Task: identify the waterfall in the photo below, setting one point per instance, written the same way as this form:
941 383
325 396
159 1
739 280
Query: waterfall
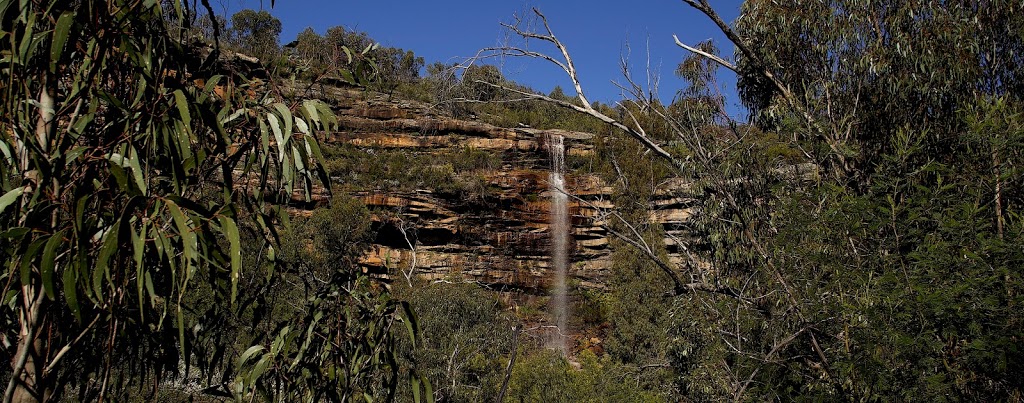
559 240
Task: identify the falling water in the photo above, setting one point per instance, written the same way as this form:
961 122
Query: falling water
559 239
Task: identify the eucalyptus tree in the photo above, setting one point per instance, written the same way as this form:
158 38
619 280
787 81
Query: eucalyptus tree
721 274
888 267
868 68
129 163
256 33
480 82
311 50
339 38
921 100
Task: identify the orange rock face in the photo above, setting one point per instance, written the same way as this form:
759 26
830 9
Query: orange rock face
500 239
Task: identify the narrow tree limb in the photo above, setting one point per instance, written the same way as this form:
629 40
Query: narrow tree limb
412 251
713 57
762 69
587 109
679 287
704 7
517 52
737 396
64 350
568 66
821 354
511 364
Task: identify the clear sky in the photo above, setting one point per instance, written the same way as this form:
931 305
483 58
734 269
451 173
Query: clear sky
595 32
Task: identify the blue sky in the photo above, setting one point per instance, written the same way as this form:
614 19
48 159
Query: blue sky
595 32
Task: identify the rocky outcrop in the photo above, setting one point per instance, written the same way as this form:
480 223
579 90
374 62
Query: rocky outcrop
501 237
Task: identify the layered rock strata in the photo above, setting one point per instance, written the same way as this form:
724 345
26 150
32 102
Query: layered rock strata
500 238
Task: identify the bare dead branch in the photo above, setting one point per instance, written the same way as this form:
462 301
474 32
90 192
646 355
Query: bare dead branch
704 7
713 57
519 52
412 251
589 110
511 364
567 65
679 286
758 65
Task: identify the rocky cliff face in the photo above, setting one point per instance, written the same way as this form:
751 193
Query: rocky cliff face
499 237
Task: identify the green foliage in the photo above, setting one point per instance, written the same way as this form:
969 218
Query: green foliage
468 159
907 264
480 82
355 57
589 308
331 239
208 26
545 376
637 301
887 268
255 33
437 86
310 47
397 66
474 94
926 287
896 279
340 344
869 68
466 339
535 114
458 175
952 288
124 227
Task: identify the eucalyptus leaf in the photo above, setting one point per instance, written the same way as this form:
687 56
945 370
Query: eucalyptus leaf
10 197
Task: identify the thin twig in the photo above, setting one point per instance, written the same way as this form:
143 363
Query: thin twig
64 350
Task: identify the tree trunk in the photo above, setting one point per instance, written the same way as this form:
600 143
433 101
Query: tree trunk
32 387
999 192
27 383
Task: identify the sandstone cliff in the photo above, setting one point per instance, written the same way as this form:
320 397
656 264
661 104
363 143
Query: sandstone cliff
499 238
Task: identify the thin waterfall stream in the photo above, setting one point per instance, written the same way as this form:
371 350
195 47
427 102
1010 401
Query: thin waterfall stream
559 241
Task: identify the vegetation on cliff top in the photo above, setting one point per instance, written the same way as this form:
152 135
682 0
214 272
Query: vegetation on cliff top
859 239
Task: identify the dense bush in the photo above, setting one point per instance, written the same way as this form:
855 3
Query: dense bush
455 173
467 337
545 376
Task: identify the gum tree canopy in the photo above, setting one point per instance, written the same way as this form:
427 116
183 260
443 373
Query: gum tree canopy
891 267
119 151
869 68
256 33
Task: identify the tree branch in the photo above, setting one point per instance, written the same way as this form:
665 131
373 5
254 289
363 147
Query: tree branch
511 364
762 69
679 287
587 109
568 66
64 350
713 57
